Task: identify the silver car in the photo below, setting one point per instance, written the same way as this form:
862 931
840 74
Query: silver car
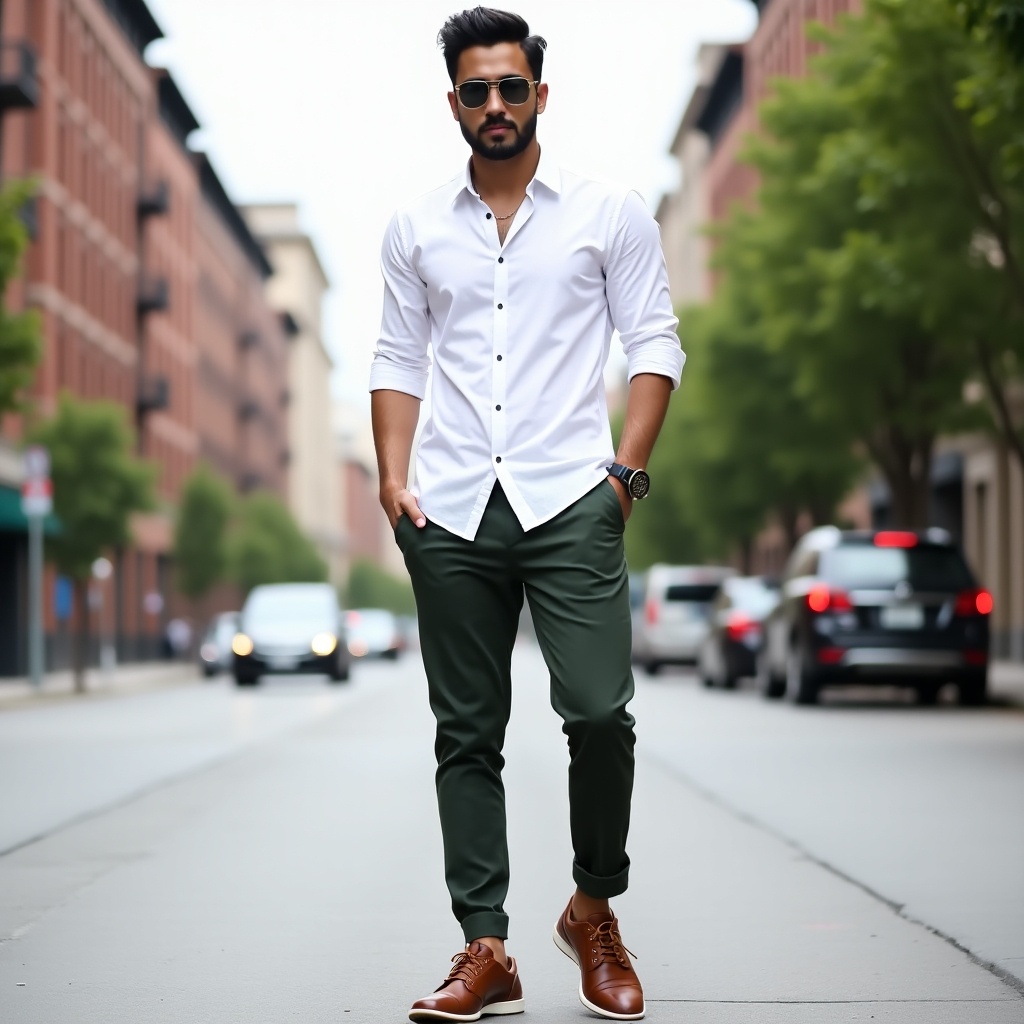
674 623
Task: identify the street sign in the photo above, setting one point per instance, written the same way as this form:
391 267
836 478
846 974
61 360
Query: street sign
37 462
37 497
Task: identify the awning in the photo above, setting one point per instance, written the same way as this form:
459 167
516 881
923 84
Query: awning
12 519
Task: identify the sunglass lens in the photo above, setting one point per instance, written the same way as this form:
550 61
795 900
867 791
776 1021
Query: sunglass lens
473 94
514 90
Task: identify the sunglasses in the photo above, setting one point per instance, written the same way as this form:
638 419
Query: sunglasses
513 91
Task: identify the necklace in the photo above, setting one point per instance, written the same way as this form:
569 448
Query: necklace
498 216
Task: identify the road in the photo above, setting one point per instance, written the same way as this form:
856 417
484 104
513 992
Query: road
204 854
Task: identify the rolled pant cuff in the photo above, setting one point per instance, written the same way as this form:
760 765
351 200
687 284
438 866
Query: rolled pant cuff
485 922
601 887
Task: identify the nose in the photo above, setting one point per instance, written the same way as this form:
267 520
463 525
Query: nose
495 104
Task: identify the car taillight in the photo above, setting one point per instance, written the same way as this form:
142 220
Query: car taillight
831 655
821 598
895 539
738 626
651 612
976 601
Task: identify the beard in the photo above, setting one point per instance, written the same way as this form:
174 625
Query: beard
501 150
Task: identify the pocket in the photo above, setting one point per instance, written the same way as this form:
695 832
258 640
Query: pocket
620 518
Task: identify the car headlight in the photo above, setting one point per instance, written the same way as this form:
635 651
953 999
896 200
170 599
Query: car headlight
208 652
241 645
324 644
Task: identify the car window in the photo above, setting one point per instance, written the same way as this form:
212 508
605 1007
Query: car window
700 593
863 567
290 605
752 597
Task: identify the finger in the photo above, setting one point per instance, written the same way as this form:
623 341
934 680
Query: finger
412 510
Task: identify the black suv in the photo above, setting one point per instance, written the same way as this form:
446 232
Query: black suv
884 606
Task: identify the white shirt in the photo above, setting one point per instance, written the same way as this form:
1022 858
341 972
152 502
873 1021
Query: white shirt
520 335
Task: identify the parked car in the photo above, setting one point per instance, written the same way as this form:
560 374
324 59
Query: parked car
215 654
291 627
374 633
877 606
677 602
729 651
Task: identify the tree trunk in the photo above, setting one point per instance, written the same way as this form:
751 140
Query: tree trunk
907 467
788 520
746 555
80 644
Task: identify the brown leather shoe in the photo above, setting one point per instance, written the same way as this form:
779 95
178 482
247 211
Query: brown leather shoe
477 986
608 984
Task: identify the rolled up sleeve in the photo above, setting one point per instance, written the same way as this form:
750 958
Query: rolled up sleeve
636 284
400 361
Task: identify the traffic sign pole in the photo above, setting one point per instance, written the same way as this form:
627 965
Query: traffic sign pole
35 600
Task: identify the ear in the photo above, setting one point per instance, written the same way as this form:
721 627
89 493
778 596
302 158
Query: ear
453 102
542 97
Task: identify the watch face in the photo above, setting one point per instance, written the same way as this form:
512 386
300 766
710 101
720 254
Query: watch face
639 485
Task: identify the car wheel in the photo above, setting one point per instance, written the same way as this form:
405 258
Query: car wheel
772 686
340 674
974 689
802 686
247 679
728 679
928 693
652 668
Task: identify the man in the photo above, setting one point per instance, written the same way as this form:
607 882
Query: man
515 274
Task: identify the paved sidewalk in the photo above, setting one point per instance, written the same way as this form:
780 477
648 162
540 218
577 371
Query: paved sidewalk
124 679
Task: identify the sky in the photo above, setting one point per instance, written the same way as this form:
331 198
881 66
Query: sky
341 107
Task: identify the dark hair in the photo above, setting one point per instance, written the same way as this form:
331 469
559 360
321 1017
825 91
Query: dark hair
485 26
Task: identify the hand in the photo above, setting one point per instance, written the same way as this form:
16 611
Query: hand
400 501
623 495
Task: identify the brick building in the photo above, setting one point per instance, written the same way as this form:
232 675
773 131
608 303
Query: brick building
149 285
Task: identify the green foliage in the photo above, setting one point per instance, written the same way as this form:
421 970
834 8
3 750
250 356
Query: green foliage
265 545
20 333
369 586
863 260
1001 20
200 536
97 482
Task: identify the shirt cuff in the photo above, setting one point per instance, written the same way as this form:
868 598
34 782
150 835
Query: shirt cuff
388 377
659 356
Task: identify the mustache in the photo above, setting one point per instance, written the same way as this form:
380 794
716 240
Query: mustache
497 122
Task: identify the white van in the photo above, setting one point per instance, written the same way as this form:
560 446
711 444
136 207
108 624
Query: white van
674 621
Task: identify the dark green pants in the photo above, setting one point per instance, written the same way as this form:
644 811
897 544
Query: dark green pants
469 594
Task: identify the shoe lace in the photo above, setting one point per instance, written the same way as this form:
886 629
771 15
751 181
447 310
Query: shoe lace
608 945
467 966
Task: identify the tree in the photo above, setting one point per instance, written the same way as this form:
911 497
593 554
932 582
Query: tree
1003 20
200 537
859 266
265 545
20 333
370 586
97 485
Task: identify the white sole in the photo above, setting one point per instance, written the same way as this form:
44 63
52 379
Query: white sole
607 1014
491 1009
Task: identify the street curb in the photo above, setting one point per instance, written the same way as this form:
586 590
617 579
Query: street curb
126 680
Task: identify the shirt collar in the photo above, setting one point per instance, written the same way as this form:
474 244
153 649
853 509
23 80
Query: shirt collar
548 174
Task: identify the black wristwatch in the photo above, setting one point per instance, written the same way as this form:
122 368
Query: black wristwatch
636 481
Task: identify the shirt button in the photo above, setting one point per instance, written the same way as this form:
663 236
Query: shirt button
501 259
488 216
498 407
498 459
499 359
500 306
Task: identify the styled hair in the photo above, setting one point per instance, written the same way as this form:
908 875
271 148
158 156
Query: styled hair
486 26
